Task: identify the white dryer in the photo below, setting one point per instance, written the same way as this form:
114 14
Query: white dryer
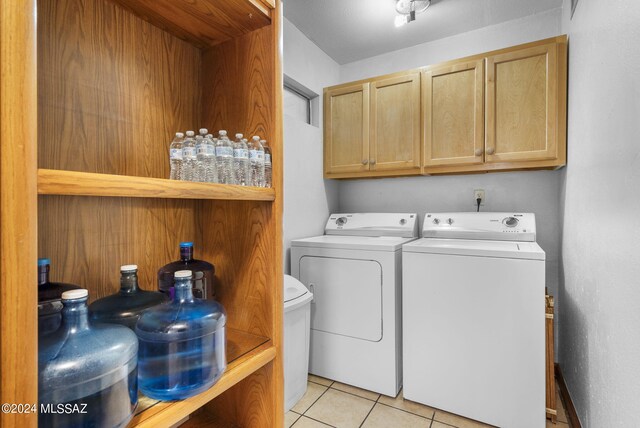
354 273
474 318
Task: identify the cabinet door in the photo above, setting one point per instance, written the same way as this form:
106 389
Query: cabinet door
454 114
522 105
395 123
346 134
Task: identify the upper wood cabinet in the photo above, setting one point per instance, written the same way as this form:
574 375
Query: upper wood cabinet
346 129
522 105
453 105
501 110
395 123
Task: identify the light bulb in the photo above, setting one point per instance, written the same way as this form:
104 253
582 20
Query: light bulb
400 20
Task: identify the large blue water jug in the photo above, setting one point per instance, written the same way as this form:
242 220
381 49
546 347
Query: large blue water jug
182 344
126 306
87 374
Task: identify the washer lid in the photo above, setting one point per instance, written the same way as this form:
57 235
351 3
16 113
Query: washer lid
371 243
467 247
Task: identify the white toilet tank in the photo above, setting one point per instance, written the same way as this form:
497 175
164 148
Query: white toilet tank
297 324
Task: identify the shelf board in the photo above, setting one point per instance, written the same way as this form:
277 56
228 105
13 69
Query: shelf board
59 182
203 23
246 353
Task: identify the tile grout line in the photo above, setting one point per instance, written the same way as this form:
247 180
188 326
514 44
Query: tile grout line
356 395
367 417
297 419
315 401
407 411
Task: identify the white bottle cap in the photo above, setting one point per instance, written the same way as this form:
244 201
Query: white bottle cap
183 274
199 137
255 138
203 131
263 141
190 133
179 135
128 268
209 135
75 294
222 132
239 135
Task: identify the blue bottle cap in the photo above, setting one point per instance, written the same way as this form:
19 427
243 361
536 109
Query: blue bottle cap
186 244
44 262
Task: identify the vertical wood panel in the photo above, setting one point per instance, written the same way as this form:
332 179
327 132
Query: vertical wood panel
522 105
346 129
395 140
243 93
454 114
18 199
112 89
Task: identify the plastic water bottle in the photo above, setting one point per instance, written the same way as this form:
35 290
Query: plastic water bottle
241 161
175 156
188 158
256 160
211 165
201 152
224 157
267 164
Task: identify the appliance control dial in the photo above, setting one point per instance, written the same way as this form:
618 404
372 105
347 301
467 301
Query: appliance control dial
341 221
510 221
449 220
436 221
403 221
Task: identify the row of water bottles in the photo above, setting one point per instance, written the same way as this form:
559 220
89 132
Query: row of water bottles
204 158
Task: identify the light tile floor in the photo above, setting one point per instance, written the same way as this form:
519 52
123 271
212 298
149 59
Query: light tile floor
334 404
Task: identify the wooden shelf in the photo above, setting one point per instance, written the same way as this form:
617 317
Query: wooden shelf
58 182
246 353
203 23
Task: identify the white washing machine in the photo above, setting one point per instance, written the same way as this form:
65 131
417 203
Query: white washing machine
354 272
474 318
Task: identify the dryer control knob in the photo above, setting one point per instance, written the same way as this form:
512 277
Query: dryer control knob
510 221
436 221
449 220
341 221
403 221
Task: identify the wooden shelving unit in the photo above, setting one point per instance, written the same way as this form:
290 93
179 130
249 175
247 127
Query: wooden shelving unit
54 182
108 82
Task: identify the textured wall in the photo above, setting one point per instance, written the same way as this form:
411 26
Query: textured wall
308 198
600 297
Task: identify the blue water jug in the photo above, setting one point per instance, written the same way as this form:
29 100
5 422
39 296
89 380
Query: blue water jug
87 374
126 306
182 344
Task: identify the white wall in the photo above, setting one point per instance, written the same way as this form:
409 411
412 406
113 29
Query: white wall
308 198
536 192
600 297
518 31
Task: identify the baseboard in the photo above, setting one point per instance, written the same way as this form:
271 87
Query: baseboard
572 415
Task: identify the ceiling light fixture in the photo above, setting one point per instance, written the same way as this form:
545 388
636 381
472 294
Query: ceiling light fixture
407 10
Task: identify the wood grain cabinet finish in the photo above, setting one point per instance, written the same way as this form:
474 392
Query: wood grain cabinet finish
522 105
395 124
503 110
346 132
453 105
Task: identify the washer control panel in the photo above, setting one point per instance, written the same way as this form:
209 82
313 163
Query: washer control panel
373 224
485 226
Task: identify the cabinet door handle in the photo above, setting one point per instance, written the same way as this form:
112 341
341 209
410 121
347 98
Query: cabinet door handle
491 151
372 161
364 161
479 152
